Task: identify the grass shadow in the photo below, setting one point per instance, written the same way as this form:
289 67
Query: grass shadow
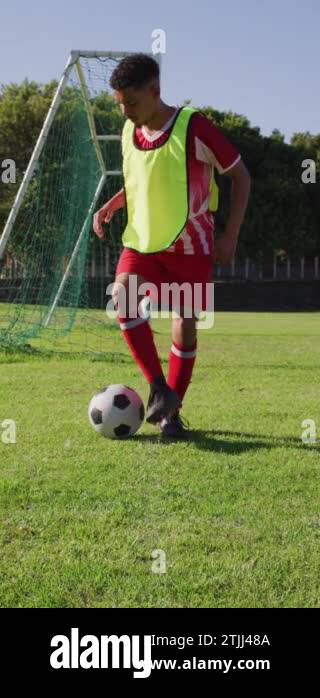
211 441
268 439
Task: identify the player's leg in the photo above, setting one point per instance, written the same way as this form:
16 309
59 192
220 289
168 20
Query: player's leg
195 273
139 337
181 362
182 354
135 327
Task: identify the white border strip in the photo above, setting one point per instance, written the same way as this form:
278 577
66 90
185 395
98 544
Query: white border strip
183 354
132 323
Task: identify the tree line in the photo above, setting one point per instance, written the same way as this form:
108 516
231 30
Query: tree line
284 212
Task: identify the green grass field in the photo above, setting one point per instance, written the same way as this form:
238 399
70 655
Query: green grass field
235 509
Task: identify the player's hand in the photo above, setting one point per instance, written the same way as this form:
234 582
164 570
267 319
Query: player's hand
104 215
225 248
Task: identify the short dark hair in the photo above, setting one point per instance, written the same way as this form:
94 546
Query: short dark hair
134 71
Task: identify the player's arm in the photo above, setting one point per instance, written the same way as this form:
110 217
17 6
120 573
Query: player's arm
215 149
225 246
106 212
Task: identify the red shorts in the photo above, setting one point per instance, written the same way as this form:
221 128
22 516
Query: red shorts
163 268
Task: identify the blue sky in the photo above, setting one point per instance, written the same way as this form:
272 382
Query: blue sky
260 59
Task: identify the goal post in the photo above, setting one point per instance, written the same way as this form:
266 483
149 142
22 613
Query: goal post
36 153
48 237
75 251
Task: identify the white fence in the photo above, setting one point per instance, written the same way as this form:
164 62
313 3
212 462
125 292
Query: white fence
278 269
303 268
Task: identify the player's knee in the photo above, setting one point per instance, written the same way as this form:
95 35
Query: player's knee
185 323
124 296
118 294
184 331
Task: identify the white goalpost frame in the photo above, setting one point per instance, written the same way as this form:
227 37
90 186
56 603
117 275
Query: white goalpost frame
72 61
86 99
105 172
37 152
110 138
75 250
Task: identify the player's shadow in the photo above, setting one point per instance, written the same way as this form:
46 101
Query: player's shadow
218 441
240 442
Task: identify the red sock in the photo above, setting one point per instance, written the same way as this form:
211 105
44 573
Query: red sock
138 335
181 362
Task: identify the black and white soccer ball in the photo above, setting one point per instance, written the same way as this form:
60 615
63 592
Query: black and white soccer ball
116 411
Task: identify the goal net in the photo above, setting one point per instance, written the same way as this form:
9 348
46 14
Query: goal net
54 270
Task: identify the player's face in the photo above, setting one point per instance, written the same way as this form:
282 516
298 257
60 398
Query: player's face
138 105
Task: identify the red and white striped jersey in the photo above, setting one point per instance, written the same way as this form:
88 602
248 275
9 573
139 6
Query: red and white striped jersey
207 147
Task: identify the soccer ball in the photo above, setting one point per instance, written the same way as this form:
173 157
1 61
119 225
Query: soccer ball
116 411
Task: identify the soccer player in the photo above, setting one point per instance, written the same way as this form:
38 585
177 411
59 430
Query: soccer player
169 156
